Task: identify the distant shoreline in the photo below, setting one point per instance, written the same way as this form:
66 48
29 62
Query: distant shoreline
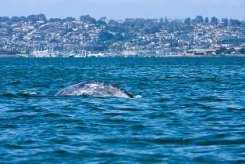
124 56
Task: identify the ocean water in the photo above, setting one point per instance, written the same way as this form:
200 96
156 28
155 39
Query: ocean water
187 110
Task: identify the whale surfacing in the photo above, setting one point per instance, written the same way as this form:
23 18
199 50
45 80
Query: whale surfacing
94 89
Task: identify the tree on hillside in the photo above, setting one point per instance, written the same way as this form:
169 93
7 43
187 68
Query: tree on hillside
206 20
225 21
35 18
69 19
198 20
235 22
187 21
87 19
214 21
4 19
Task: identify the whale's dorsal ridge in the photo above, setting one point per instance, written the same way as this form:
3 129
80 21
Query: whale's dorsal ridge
95 89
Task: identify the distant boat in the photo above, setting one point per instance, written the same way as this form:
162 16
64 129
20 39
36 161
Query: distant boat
44 53
96 55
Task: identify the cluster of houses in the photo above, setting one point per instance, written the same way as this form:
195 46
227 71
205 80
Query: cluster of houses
36 36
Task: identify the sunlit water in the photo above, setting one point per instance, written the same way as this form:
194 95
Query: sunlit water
186 110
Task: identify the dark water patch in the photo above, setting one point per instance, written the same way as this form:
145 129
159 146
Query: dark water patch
166 141
118 120
52 115
207 98
8 126
28 117
14 83
13 146
221 142
236 108
61 153
7 94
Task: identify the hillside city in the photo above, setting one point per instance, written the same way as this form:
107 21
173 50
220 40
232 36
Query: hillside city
37 36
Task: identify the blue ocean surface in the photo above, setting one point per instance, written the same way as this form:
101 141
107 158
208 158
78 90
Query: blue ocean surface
187 110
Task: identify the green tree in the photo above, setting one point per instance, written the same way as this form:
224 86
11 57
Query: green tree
35 18
15 19
187 21
225 21
214 21
161 22
87 19
199 19
4 19
206 20
166 22
235 22
69 19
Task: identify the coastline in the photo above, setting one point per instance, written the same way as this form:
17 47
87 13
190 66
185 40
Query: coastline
118 55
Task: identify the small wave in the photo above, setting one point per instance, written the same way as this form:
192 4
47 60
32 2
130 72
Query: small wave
138 96
27 94
20 94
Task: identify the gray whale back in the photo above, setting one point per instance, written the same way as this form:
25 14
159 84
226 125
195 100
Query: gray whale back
94 89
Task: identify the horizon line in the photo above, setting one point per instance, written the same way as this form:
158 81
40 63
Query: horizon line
118 19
